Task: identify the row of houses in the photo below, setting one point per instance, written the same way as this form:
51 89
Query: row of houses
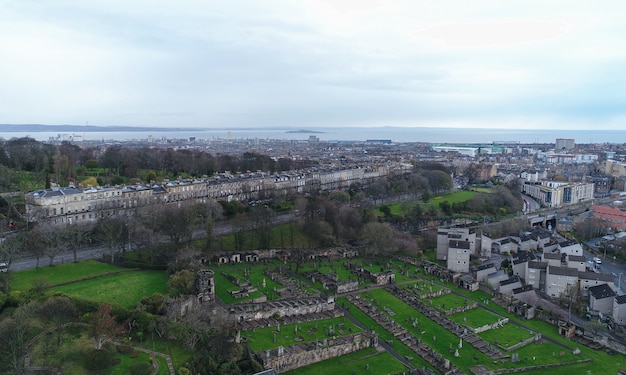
557 269
70 205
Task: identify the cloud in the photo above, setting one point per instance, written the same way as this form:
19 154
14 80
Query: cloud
319 63
494 33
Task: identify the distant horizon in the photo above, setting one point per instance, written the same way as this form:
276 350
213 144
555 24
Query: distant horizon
17 127
433 135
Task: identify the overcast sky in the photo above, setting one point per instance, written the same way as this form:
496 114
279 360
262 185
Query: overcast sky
302 64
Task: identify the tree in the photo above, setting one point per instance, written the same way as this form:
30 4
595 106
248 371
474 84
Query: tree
378 239
10 248
14 335
154 304
182 282
210 212
103 325
74 236
261 217
50 235
58 310
35 244
112 231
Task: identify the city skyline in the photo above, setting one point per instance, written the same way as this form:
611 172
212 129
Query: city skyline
308 64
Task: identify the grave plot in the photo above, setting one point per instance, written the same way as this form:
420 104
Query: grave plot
298 333
477 319
245 284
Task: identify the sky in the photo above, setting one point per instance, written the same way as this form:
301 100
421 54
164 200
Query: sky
305 64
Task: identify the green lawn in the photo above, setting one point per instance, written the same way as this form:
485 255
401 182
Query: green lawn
507 335
434 335
368 322
455 197
445 301
124 289
256 278
474 318
355 363
23 280
263 338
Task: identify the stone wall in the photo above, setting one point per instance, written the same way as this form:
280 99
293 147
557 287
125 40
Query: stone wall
246 312
495 325
293 357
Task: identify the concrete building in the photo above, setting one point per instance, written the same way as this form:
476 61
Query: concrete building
601 298
444 235
483 271
560 280
591 279
536 275
564 144
557 194
570 248
459 253
507 286
577 261
619 310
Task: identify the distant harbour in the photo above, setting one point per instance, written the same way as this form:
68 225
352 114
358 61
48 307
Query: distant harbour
325 134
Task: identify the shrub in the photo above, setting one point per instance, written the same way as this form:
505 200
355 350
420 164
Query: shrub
96 360
124 349
141 368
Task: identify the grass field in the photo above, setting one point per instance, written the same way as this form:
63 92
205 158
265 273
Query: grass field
404 207
355 363
446 301
112 288
368 322
63 273
69 357
506 335
256 278
474 318
434 335
263 338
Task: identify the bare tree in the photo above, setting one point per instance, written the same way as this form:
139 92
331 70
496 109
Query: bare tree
74 236
35 244
51 237
112 231
14 335
58 310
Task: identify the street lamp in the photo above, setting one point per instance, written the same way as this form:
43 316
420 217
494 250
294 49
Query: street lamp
619 282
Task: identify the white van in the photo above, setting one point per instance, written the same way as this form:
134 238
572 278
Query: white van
597 260
4 267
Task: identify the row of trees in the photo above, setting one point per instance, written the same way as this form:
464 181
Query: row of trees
68 162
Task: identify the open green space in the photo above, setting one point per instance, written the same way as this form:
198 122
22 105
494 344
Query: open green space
368 322
446 301
62 273
263 338
474 318
75 349
403 207
429 332
256 277
377 362
507 335
123 289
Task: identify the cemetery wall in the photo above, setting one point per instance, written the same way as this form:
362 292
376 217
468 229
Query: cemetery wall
293 357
